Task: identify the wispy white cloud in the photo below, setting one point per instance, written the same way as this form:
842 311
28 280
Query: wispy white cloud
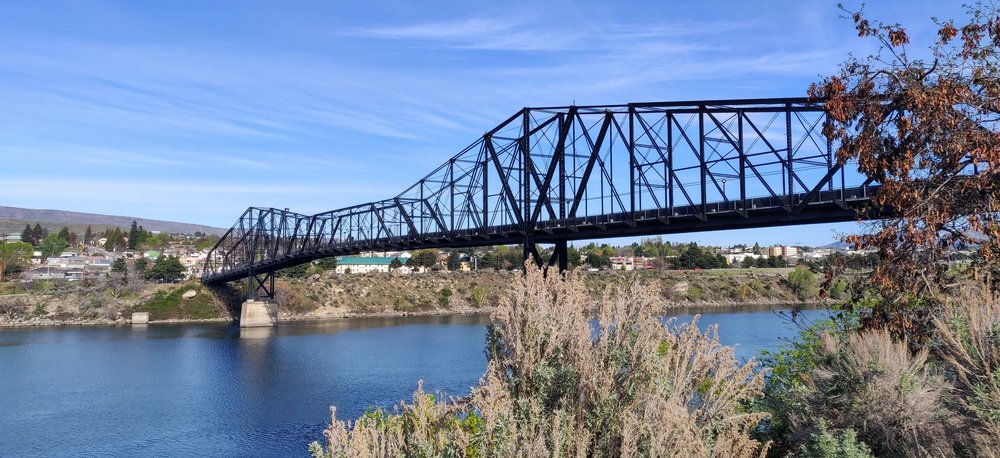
254 113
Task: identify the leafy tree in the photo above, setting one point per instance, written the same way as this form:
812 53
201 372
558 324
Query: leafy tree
803 283
296 271
395 264
327 263
599 260
115 240
14 257
53 245
927 131
573 258
206 242
166 269
424 258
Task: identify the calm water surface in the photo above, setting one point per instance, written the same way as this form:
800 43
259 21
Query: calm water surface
197 390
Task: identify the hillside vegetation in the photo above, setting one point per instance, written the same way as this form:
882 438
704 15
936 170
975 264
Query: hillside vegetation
329 295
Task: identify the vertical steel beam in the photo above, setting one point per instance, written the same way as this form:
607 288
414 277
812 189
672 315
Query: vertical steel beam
788 138
562 167
829 148
561 251
451 187
743 162
670 161
526 169
486 194
701 157
631 162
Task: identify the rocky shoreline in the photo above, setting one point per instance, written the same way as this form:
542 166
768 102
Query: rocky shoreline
330 296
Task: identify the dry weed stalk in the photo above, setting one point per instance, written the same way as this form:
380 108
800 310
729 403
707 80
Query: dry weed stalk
559 384
968 340
874 385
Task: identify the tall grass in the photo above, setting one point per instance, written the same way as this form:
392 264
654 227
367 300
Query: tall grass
968 343
559 385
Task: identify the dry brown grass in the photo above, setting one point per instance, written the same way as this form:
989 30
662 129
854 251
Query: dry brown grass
556 386
968 340
874 385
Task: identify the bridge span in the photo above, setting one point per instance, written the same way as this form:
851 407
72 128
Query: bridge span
551 175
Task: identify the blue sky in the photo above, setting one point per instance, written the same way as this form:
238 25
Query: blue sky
193 111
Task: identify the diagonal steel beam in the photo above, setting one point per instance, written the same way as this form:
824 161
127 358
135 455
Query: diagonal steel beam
594 155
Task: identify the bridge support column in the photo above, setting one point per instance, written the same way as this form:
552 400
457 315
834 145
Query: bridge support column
559 256
260 309
256 313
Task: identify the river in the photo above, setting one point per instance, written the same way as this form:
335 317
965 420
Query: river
197 390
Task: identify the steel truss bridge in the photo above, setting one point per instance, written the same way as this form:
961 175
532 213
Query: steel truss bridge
555 174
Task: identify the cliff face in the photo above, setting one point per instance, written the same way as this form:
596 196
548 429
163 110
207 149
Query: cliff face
330 295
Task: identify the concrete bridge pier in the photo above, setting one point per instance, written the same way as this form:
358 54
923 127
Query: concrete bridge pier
257 313
260 308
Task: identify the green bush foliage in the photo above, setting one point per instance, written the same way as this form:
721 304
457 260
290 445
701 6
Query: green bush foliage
803 283
823 444
166 305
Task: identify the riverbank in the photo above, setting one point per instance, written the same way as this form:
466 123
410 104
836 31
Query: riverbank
377 295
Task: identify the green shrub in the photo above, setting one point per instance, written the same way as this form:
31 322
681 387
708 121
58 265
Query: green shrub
695 293
822 444
838 290
171 305
802 282
444 297
478 296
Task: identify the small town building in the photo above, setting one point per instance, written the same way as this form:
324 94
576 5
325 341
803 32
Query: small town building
737 258
44 273
782 250
362 264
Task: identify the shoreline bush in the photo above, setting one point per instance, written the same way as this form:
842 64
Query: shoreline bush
561 384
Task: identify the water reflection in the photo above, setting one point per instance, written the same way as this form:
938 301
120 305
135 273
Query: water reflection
257 333
218 390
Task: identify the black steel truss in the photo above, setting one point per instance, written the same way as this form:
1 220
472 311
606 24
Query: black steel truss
554 174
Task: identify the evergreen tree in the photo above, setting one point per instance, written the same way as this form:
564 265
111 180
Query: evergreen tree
88 236
140 266
166 269
119 266
453 260
134 235
37 234
28 235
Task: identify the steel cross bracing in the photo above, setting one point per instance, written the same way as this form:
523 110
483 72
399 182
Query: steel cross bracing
554 174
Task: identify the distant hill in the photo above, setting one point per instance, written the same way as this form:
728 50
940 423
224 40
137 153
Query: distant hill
13 219
838 245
